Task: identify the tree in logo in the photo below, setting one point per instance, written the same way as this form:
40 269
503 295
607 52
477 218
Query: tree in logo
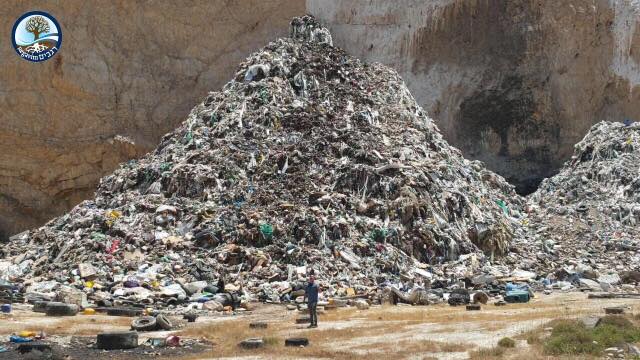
37 25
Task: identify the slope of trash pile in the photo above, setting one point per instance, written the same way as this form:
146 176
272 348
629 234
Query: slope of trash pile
307 159
585 221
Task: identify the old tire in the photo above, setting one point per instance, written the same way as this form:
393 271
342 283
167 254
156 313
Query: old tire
473 307
258 325
303 320
252 343
124 312
145 323
117 340
61 309
163 322
614 310
40 306
296 342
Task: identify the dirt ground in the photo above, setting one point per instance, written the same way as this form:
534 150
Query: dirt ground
398 332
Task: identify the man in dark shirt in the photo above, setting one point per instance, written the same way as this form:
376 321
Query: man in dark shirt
311 295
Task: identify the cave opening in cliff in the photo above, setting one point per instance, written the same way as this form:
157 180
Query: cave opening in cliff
500 126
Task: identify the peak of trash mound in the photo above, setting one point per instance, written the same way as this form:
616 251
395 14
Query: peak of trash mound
601 178
309 159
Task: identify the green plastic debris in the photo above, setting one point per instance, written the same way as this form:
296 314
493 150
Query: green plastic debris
165 166
214 119
188 137
267 231
503 206
378 234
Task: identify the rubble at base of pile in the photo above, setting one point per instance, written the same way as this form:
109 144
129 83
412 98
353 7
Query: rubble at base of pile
307 159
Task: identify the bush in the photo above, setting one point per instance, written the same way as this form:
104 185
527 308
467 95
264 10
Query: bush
507 342
571 337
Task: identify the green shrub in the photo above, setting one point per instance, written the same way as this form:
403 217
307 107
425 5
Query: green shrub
507 342
570 337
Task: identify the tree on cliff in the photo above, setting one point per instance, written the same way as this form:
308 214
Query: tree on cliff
37 25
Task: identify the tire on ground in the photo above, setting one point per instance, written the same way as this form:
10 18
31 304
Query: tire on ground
296 342
117 340
163 322
145 323
252 343
61 309
258 325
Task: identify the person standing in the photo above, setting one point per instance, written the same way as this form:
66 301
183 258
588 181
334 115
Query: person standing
311 296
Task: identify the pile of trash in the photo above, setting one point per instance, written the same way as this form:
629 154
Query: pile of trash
584 223
308 159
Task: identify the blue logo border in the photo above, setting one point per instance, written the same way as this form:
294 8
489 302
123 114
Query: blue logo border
37 12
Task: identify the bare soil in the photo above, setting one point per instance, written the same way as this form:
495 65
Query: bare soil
401 332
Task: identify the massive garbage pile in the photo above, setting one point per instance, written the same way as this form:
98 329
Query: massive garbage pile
307 160
312 161
583 223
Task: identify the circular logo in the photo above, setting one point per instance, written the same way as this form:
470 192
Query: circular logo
36 36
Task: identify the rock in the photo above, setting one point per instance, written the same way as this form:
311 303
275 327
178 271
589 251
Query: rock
590 322
590 284
611 279
361 304
633 350
213 305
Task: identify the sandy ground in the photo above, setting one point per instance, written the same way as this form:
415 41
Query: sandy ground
407 332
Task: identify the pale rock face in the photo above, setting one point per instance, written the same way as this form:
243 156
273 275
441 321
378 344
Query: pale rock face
126 73
512 83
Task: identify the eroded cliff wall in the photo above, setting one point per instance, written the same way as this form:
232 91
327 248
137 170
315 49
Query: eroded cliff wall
127 72
515 83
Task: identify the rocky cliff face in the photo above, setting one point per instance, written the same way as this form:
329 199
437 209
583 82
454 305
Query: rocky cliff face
127 73
513 83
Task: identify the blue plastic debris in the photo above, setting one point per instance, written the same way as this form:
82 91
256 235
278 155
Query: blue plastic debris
19 339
